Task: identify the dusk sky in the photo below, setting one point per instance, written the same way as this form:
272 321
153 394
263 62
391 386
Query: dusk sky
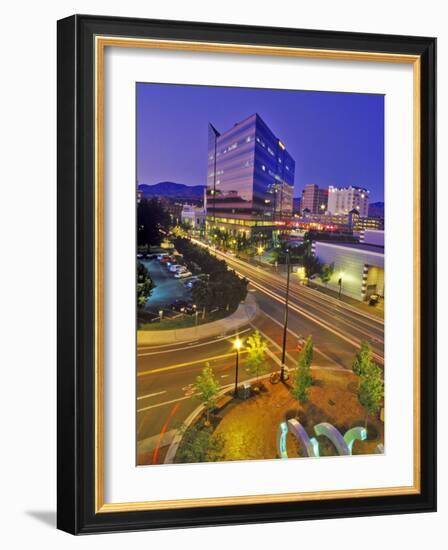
335 138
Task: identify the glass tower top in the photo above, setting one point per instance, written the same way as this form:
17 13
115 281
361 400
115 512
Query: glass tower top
250 172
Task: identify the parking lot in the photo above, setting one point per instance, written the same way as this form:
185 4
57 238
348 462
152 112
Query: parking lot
167 289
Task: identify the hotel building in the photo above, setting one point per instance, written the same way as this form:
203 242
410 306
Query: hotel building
250 179
344 200
314 199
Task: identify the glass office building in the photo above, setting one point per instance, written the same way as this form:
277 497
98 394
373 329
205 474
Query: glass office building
250 174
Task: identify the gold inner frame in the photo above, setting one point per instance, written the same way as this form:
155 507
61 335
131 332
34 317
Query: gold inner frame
101 42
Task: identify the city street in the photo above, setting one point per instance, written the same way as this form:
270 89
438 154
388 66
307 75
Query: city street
165 373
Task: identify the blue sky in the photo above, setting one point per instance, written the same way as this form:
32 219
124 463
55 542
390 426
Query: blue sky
334 138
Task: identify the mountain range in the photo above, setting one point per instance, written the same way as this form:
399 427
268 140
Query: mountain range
172 190
376 209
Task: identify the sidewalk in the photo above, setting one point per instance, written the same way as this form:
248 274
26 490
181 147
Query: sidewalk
244 314
280 271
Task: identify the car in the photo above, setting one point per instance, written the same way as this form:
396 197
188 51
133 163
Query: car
140 256
162 255
190 309
182 274
177 267
191 282
180 305
167 259
301 341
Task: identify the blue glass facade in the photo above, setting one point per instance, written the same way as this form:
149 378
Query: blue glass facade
250 173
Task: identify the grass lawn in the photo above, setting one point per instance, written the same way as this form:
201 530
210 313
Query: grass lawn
249 429
184 321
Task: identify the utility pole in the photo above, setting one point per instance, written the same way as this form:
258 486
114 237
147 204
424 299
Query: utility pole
285 320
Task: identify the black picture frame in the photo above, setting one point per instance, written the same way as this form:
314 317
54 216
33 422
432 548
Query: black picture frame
76 300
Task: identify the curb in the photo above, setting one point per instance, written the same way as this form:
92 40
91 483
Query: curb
172 450
244 314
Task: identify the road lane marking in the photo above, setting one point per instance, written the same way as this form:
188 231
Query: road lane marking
162 431
312 293
192 345
179 365
151 395
327 357
163 404
299 310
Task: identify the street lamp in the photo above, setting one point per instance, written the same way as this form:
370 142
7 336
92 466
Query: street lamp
260 252
341 274
237 346
285 320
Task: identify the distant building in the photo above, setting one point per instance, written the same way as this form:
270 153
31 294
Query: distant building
358 268
296 205
376 210
314 198
346 223
250 179
193 216
344 200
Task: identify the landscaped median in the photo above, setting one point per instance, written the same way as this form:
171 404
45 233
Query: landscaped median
246 429
244 314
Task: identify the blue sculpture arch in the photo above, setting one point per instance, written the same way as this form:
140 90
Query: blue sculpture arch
343 444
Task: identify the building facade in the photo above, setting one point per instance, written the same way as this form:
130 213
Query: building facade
358 268
314 199
250 175
344 200
194 216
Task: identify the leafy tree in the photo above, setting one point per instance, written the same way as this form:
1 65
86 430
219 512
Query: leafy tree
311 265
371 389
153 221
206 389
363 359
326 273
200 444
144 285
256 349
302 377
202 296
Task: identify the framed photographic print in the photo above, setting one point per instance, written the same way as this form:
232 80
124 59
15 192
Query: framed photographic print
246 274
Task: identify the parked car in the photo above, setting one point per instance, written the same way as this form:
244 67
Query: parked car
190 309
182 274
177 267
180 305
167 259
374 299
191 282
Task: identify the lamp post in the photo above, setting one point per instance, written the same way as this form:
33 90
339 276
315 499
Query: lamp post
237 345
285 320
340 284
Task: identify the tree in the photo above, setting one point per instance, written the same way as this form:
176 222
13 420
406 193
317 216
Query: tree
256 349
326 273
200 444
302 378
144 285
311 265
153 221
371 389
206 389
201 295
363 359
